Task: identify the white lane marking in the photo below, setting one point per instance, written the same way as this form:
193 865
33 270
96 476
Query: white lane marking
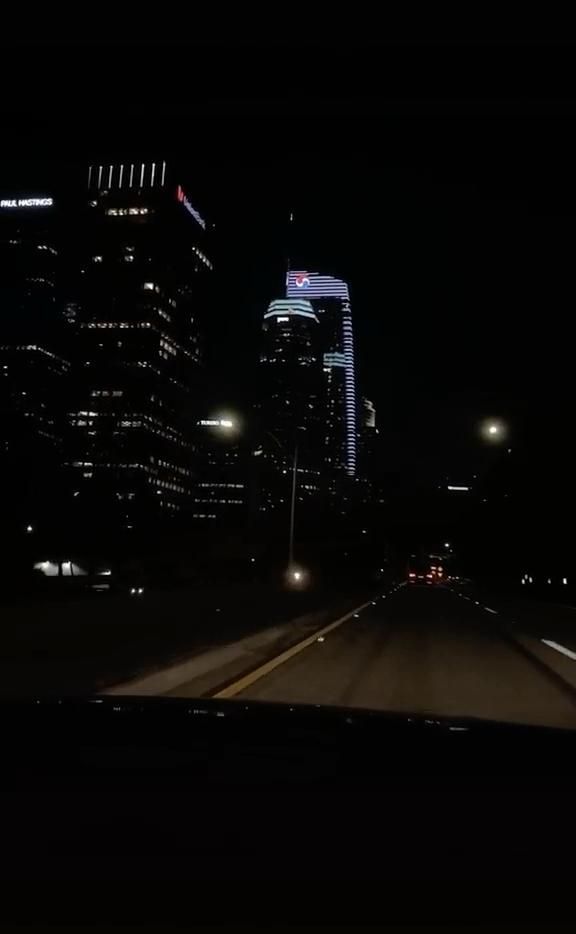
490 610
559 648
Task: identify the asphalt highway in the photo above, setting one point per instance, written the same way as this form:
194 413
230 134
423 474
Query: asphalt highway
424 650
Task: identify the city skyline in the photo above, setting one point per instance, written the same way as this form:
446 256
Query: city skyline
287 461
427 426
132 302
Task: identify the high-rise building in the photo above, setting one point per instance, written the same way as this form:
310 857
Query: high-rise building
368 413
367 440
330 301
221 489
144 260
291 404
34 350
369 466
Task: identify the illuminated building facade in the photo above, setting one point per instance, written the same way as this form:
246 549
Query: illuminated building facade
330 301
143 272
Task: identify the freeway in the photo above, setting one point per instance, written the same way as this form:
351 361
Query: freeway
420 650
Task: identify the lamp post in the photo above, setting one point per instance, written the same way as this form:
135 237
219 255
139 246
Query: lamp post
229 424
292 514
295 575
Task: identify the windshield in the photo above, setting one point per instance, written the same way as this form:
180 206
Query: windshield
286 405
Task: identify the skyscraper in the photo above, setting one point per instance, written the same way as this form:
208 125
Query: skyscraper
143 259
34 350
221 489
368 451
291 404
330 301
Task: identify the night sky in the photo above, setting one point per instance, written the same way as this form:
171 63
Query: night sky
461 285
444 194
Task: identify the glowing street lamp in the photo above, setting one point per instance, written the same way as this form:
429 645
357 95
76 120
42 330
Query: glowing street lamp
493 430
296 576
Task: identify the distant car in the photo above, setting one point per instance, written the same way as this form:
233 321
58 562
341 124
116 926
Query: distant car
427 574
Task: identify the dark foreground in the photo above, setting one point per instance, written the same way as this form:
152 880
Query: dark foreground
474 817
238 792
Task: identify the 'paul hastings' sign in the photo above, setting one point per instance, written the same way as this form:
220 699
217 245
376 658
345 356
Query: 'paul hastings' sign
26 203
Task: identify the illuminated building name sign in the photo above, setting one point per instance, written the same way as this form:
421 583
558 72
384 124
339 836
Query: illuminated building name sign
26 202
184 200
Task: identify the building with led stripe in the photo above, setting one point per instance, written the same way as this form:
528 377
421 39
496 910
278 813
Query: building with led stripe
330 300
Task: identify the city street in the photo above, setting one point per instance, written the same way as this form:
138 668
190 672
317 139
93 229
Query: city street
421 650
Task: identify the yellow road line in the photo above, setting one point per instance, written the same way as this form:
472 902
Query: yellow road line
242 683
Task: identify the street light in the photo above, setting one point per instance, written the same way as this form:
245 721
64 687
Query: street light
493 430
296 577
294 483
227 424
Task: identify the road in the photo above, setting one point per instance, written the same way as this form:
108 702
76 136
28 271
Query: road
82 645
426 651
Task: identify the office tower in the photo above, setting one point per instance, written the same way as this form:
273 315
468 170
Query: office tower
34 352
367 439
144 265
220 494
330 301
368 413
369 474
291 403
